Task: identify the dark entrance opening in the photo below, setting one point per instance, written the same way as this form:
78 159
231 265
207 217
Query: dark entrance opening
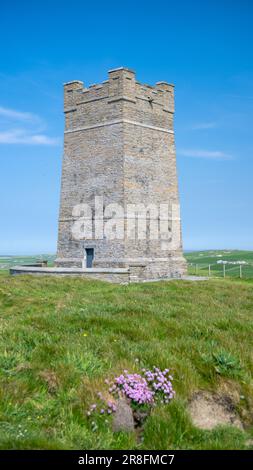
89 257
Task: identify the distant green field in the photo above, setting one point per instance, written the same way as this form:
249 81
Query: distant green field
199 262
6 262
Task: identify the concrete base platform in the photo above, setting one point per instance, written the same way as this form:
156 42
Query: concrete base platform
182 278
116 275
119 275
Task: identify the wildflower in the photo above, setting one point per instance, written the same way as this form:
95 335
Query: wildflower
151 387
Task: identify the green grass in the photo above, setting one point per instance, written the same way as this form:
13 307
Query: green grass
61 338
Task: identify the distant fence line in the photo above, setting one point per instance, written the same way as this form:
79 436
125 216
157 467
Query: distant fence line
221 270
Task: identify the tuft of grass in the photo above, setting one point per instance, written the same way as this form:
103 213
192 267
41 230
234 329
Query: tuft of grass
223 363
62 337
226 364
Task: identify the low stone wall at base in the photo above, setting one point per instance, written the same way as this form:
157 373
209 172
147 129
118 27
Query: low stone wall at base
120 276
135 273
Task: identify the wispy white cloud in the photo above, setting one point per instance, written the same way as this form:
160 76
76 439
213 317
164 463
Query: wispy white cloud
19 115
21 136
211 154
24 128
204 125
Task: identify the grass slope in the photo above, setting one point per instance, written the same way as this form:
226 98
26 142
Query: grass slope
6 262
61 338
213 258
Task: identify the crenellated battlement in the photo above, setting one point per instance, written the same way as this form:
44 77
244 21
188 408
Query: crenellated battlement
121 96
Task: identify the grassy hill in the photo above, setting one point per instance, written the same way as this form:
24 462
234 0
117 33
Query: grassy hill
199 262
211 256
6 262
61 338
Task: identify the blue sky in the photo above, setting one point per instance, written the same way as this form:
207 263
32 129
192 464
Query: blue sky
203 47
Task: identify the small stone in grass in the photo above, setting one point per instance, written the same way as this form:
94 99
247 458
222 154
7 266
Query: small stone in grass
123 417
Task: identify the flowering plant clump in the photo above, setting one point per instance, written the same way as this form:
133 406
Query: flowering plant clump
134 387
149 388
161 384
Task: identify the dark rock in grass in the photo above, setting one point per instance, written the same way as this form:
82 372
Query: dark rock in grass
123 418
140 416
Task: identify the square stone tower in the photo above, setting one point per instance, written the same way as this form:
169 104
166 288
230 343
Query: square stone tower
119 153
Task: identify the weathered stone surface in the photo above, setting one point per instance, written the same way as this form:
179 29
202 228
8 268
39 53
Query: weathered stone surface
119 144
123 418
120 276
209 410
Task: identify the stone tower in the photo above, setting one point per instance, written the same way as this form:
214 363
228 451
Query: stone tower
119 150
